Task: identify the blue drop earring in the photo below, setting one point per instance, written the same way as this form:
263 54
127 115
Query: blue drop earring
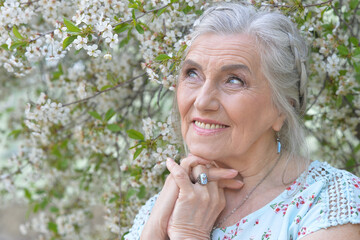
278 143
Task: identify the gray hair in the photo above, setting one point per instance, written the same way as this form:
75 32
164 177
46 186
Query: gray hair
283 55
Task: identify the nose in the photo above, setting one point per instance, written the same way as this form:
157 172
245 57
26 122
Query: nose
207 98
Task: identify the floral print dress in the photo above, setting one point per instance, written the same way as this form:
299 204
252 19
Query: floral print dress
321 198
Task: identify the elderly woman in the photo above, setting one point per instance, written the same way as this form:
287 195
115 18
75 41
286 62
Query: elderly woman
241 94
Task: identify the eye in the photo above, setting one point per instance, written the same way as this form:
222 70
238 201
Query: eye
191 73
236 81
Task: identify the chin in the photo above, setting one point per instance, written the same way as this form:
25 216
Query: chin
204 153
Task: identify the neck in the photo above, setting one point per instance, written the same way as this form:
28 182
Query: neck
254 167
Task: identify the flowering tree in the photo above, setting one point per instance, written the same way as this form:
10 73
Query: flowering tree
94 116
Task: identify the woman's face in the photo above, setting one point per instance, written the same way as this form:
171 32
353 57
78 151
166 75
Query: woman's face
224 99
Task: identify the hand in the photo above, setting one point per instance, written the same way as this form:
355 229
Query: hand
157 224
198 206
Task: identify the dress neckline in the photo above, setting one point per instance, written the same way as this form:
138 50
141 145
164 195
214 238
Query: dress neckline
288 191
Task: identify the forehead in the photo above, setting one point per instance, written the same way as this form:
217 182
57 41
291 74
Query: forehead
218 49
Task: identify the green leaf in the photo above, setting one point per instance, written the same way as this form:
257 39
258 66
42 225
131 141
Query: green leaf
122 28
17 44
69 40
16 33
106 87
44 203
55 151
187 9
133 15
95 115
135 146
114 127
356 51
57 74
5 46
36 208
111 78
54 209
139 28
339 101
353 4
350 164
27 194
52 227
344 51
115 198
15 133
135 134
142 192
162 57
109 114
124 42
71 26
130 193
354 41
137 152
357 148
135 6
123 236
160 12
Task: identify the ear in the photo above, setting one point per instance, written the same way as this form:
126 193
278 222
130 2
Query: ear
279 122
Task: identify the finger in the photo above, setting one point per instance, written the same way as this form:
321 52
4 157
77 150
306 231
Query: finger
192 161
164 206
180 176
230 183
199 169
216 174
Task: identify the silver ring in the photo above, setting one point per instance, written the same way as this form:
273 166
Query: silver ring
202 179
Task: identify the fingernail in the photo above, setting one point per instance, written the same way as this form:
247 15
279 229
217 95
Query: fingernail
240 182
233 171
170 161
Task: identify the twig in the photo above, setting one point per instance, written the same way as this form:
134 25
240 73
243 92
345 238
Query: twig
4 176
106 90
143 14
118 161
304 6
353 108
319 93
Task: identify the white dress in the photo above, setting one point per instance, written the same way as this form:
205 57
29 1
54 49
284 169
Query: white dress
329 197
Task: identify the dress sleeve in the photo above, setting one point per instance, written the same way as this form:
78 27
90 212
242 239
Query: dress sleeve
140 219
337 204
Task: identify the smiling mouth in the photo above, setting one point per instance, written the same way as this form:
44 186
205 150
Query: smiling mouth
209 126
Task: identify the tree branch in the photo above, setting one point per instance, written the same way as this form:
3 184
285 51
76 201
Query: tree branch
304 6
319 93
143 14
106 90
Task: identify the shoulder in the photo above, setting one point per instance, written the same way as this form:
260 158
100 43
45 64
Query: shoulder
140 219
346 231
336 195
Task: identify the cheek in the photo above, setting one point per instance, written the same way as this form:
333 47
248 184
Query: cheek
183 102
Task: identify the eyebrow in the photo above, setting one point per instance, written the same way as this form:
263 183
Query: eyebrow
235 67
191 63
225 68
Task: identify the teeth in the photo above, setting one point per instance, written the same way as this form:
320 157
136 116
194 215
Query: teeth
208 126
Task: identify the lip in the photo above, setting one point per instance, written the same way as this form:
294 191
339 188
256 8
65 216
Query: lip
209 121
208 132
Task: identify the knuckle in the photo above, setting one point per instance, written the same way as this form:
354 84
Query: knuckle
180 174
205 197
190 197
222 202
